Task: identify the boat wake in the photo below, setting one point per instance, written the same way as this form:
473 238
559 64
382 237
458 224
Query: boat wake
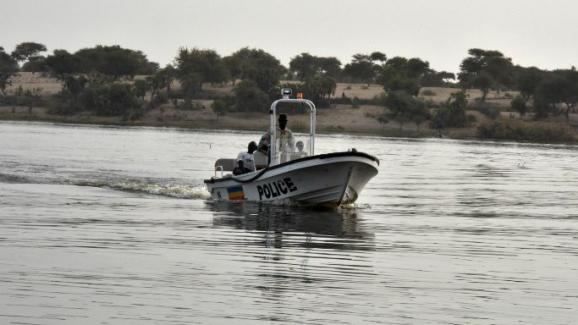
145 186
170 190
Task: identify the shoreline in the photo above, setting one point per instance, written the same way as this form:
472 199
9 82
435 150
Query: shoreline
253 126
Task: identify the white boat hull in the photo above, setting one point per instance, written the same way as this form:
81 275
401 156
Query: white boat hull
326 180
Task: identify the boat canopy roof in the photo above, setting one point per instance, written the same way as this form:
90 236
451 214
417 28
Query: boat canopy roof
276 150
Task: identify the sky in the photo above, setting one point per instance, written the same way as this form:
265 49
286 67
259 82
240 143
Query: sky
531 32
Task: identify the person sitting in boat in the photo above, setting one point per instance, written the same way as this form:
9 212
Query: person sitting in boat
299 153
285 139
245 162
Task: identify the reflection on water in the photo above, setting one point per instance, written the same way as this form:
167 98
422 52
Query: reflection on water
341 223
112 226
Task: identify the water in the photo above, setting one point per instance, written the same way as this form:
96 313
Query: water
103 225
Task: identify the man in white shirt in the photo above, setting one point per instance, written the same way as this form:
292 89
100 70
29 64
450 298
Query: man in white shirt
284 137
245 162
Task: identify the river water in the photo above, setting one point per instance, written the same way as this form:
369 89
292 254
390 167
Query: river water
105 225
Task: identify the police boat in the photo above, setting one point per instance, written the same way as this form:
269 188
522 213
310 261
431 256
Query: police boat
324 180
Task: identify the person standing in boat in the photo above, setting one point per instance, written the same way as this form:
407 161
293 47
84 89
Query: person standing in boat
285 139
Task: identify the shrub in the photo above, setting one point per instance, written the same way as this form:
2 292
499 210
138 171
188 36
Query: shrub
486 109
526 131
518 104
355 102
189 106
471 119
428 92
249 97
452 114
109 99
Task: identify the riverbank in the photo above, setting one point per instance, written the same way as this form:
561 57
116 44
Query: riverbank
358 119
342 119
337 120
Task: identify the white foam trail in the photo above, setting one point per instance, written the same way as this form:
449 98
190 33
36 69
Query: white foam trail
170 190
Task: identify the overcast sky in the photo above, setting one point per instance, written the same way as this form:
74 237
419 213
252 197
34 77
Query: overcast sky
539 33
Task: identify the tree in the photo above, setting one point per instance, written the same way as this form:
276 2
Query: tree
319 89
405 108
114 62
452 114
361 69
569 90
62 63
378 56
111 99
304 66
401 74
8 68
140 88
437 79
549 93
483 81
257 65
519 105
497 70
528 80
162 79
249 97
35 64
25 51
195 67
329 66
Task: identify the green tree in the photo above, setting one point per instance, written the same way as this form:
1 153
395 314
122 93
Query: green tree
483 81
8 68
319 89
401 74
248 97
140 88
256 65
378 56
329 67
437 79
528 80
114 62
361 69
35 64
452 114
111 99
195 67
403 108
304 66
24 51
519 105
482 67
62 63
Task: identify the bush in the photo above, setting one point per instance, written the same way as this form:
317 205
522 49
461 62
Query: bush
486 109
518 104
190 106
452 114
249 97
222 106
109 99
355 102
526 131
428 93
